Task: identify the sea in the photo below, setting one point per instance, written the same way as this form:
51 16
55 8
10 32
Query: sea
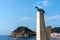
6 37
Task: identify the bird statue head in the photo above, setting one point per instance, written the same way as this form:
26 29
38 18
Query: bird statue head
39 9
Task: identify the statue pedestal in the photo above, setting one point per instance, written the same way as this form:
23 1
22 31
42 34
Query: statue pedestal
41 32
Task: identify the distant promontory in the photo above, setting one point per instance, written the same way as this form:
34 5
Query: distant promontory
56 30
22 31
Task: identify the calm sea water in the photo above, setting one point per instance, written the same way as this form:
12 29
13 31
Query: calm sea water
5 37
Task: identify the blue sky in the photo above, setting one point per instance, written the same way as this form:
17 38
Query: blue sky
14 13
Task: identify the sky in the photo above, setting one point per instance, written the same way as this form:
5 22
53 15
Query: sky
14 13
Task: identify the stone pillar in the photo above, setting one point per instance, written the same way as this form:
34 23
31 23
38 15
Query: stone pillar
40 25
48 32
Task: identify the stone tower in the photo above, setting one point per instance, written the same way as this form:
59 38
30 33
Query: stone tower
40 24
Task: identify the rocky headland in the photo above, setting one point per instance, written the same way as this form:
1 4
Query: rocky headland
22 31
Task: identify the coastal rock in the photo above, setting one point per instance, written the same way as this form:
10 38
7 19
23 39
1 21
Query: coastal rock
22 32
